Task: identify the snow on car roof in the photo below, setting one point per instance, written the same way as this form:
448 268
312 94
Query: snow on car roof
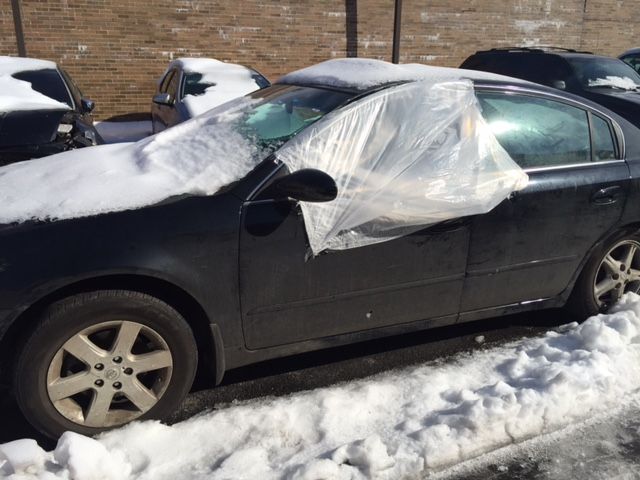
228 81
17 94
366 73
11 65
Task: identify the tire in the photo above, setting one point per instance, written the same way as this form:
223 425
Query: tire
98 360
607 275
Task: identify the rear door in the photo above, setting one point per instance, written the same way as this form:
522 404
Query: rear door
530 246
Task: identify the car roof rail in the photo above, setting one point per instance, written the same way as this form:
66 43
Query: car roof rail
536 49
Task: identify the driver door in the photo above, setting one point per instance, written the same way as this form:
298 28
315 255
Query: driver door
288 296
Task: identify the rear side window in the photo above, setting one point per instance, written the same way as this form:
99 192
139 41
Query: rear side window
603 146
47 82
534 67
537 132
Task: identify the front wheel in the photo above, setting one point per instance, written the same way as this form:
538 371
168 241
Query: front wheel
612 271
99 360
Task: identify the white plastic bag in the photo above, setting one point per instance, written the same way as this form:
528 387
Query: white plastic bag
402 158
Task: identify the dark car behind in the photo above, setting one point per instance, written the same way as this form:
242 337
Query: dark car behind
604 80
28 133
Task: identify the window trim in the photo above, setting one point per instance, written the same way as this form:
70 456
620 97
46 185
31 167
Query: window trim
618 137
615 129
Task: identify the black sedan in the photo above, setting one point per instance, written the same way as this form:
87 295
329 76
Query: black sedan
27 132
104 319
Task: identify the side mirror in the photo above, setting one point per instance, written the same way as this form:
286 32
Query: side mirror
162 99
559 84
306 185
87 105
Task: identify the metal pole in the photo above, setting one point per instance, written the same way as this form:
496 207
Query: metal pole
397 23
17 22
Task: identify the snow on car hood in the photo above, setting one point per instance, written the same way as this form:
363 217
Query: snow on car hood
231 81
403 158
197 157
406 423
17 94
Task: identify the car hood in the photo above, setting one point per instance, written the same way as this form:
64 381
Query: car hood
196 157
607 93
29 127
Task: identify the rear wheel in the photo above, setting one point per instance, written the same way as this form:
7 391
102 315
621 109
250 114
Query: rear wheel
613 270
98 360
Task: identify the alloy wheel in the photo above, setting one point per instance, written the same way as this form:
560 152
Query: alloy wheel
109 373
618 273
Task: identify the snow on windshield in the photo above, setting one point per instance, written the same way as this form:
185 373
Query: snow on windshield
17 94
198 157
406 423
625 83
210 82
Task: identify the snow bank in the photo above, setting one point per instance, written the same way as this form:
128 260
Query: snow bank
17 94
403 423
229 81
197 157
364 73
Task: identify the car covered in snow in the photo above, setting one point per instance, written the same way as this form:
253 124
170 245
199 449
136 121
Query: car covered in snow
351 200
604 80
42 111
191 86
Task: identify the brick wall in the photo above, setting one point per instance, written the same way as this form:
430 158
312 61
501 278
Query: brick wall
116 49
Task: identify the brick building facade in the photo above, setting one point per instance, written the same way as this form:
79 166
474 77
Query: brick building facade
116 49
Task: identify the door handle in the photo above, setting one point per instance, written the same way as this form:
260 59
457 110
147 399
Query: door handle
607 195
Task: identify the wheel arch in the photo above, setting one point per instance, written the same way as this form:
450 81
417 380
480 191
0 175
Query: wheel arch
208 338
627 228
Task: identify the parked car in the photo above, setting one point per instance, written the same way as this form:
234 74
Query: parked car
632 57
105 318
29 126
191 86
607 81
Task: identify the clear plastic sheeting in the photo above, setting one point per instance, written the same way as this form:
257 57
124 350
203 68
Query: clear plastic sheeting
402 158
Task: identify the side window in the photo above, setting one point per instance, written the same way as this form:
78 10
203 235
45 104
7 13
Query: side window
634 61
603 146
537 132
174 85
165 81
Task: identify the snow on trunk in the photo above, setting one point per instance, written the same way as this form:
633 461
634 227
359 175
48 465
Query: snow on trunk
402 423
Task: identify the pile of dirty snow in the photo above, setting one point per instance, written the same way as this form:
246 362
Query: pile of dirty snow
17 94
407 422
227 80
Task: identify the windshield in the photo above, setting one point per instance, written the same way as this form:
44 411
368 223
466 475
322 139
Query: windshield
598 72
281 111
47 82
